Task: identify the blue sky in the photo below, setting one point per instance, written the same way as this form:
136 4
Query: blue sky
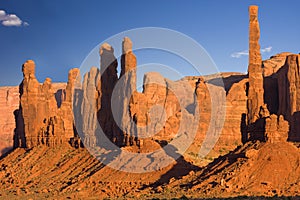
58 35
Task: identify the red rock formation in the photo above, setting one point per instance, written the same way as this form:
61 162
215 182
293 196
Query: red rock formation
158 109
278 89
256 90
39 120
276 129
29 102
157 112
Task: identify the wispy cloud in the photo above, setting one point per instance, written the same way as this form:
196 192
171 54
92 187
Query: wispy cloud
239 54
246 53
11 19
266 50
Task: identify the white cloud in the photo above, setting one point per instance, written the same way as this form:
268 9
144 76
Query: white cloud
239 54
11 19
246 53
267 49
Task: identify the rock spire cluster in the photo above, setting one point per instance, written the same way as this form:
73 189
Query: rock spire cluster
39 120
263 105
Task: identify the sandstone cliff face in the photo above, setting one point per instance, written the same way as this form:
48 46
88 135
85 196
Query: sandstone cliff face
9 103
157 110
203 98
289 94
272 65
236 109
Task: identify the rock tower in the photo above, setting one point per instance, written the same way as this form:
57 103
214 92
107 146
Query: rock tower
256 89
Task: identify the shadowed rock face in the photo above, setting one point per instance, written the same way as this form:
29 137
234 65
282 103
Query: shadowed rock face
108 80
289 94
272 65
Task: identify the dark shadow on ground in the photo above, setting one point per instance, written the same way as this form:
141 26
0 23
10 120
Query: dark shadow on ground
180 169
218 165
6 151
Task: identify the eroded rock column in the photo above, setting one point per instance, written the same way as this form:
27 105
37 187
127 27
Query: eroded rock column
91 94
64 120
127 87
256 90
108 80
29 96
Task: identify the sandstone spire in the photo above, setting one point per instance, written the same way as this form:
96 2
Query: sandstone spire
65 117
29 97
39 120
108 80
90 94
256 90
126 90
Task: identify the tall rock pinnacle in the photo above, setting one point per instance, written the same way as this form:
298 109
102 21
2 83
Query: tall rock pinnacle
127 86
256 90
29 98
108 80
